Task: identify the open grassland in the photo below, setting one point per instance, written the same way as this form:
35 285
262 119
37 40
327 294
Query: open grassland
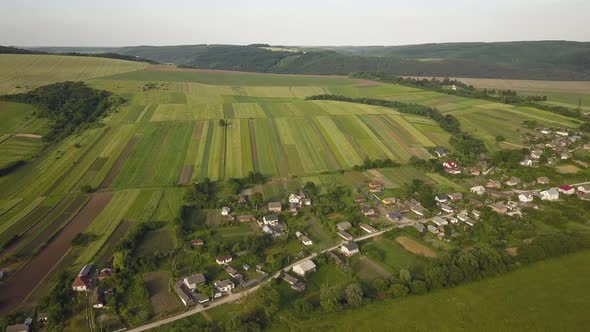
19 73
392 256
536 298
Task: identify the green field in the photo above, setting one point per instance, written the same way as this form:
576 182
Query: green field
25 72
536 298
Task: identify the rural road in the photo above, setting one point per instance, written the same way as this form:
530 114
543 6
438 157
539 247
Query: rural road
237 296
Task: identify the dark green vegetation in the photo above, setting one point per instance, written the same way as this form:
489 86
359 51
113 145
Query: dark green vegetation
69 106
551 60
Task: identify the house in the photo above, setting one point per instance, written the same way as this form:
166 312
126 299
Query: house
497 194
455 196
17 328
394 216
401 207
526 162
446 208
345 235
343 226
438 221
585 188
440 152
232 272
475 202
419 227
335 257
478 190
275 207
246 218
294 282
197 242
225 211
222 260
42 317
543 180
474 171
184 293
586 147
294 199
476 214
470 222
566 156
389 201
304 267
566 189
375 187
441 198
453 171
83 281
349 248
105 273
367 228
305 240
368 211
495 184
271 219
360 199
450 164
549 194
513 181
193 281
294 208
432 229
500 208
525 197
536 154
419 210
224 286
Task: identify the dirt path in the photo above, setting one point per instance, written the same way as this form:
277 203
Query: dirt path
24 281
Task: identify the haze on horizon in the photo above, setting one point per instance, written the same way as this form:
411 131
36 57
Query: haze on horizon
303 22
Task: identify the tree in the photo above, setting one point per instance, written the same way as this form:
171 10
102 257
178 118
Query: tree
222 123
269 299
330 300
405 276
399 290
256 199
302 306
354 295
418 287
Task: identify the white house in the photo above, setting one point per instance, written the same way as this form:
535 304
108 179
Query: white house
222 260
566 189
462 216
562 133
304 267
478 190
525 197
225 285
441 198
271 219
294 199
432 229
343 226
349 248
549 194
526 162
440 152
446 208
225 211
367 228
305 240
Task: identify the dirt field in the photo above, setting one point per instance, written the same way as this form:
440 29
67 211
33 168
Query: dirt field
28 136
161 298
186 174
221 71
567 169
414 247
119 163
21 283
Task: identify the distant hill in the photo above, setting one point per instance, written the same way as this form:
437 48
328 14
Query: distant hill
543 60
14 50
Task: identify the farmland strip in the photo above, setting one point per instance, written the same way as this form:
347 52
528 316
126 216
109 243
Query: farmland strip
119 163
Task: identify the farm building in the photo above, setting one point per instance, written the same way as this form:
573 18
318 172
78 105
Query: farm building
549 194
368 211
367 228
232 272
584 188
389 201
525 197
105 274
446 208
304 267
500 208
543 180
438 221
419 227
419 210
197 242
440 152
343 226
345 235
225 211
432 229
455 196
394 216
185 295
275 207
494 184
83 281
375 187
294 282
513 181
349 248
441 198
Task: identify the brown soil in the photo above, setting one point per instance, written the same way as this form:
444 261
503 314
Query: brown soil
119 163
186 174
512 251
28 136
23 282
414 247
567 169
367 82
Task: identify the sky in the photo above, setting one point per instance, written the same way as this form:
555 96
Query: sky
296 22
